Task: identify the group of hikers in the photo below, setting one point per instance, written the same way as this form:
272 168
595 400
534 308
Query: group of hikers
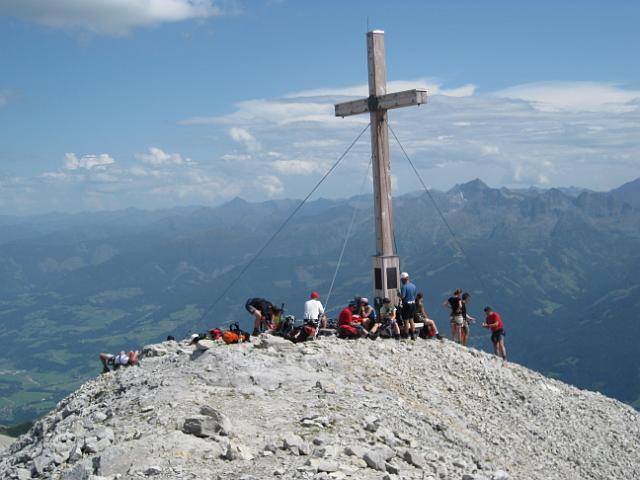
359 319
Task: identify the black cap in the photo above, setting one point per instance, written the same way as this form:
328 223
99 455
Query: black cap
386 300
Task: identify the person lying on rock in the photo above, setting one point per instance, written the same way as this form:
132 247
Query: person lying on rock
115 361
386 322
429 327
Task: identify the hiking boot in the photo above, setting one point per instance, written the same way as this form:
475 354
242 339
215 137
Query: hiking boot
439 337
372 336
397 337
256 332
413 336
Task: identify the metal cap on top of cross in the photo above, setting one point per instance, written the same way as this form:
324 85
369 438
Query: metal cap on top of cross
386 263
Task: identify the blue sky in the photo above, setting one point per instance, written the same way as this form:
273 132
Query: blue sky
113 103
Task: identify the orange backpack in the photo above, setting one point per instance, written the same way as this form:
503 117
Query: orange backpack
235 335
230 337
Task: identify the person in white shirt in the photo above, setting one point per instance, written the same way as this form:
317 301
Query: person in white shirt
313 310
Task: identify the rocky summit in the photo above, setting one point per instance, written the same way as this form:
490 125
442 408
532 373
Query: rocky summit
329 409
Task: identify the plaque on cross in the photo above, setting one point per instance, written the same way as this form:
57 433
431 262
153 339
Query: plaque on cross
386 263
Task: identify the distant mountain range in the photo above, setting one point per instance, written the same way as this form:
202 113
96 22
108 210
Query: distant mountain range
562 266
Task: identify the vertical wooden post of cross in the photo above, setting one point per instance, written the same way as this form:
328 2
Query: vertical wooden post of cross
386 263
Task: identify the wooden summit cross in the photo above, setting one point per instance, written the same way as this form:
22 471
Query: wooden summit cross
386 263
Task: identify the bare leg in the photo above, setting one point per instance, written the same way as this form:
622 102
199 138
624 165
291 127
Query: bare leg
258 319
502 349
465 336
431 324
456 332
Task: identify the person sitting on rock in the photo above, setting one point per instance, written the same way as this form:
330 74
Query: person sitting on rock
367 313
348 326
262 311
118 360
314 311
494 323
429 327
386 322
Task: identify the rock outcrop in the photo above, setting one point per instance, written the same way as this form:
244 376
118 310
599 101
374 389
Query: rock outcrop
5 441
330 409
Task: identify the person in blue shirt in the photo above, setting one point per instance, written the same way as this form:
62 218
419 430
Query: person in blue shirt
408 293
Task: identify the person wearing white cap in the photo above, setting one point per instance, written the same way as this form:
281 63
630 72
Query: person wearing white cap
408 293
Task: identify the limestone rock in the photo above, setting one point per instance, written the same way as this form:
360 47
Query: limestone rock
414 458
203 345
114 461
329 410
206 426
375 459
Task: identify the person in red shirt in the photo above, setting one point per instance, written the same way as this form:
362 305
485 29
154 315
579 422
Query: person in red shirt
347 325
494 323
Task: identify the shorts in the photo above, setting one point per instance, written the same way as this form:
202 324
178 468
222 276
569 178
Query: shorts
495 336
457 320
408 311
465 325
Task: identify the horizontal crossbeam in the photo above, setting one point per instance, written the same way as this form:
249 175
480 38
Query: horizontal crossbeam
382 102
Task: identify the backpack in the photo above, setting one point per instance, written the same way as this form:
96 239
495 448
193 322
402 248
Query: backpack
426 332
302 333
287 326
216 333
235 335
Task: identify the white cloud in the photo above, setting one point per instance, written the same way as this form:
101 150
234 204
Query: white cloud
297 167
575 96
270 184
243 137
458 136
5 96
531 174
157 156
109 17
278 112
87 162
362 90
272 147
235 157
